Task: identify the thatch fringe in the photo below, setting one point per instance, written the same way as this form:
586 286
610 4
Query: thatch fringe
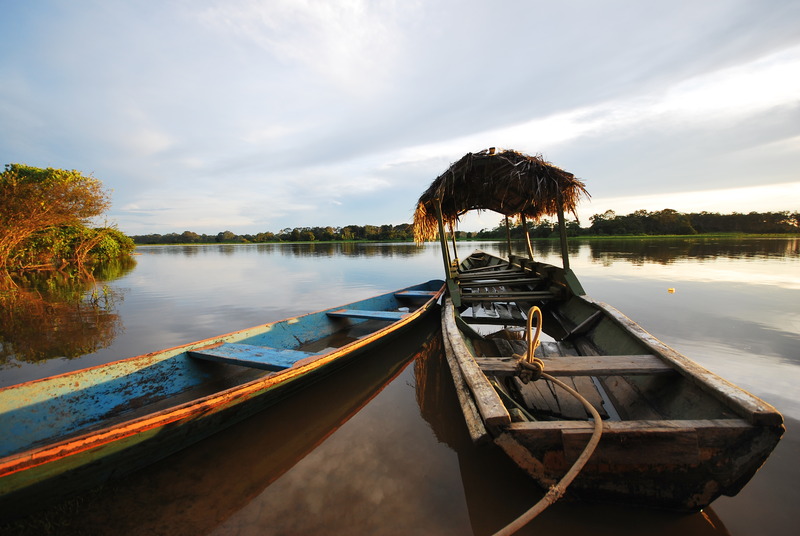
507 182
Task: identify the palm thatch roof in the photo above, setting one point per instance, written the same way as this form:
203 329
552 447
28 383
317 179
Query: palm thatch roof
505 181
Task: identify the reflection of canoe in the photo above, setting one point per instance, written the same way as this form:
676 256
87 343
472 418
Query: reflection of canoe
674 434
74 430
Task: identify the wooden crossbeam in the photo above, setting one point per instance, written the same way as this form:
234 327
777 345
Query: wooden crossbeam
488 283
415 294
487 268
373 315
248 355
492 275
506 296
603 365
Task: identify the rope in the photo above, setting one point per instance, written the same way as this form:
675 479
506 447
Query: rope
557 491
530 367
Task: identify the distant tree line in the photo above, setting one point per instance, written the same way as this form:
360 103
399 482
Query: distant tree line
641 222
663 222
398 233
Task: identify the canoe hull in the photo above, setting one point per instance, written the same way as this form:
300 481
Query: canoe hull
683 469
49 469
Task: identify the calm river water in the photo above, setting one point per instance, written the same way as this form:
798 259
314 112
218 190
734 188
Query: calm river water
380 448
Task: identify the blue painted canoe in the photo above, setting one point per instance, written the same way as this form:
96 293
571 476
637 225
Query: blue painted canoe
75 430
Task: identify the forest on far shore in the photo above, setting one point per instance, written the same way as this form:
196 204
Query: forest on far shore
638 223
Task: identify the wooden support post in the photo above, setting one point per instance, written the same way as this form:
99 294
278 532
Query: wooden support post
453 236
450 272
527 237
562 230
571 279
508 236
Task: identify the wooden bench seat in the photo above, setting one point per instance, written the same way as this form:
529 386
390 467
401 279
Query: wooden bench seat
373 315
603 365
506 296
486 282
415 294
248 355
492 275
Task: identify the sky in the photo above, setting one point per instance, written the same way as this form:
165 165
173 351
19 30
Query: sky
250 116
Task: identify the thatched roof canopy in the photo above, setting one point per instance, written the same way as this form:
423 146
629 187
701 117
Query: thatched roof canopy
508 182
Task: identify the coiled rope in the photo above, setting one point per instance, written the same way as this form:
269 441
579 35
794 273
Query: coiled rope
528 364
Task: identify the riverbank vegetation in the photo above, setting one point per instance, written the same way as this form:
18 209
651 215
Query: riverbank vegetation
44 218
640 223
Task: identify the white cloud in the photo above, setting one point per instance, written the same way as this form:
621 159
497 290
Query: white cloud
351 43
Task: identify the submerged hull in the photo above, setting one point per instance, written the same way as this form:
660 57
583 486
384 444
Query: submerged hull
75 430
675 435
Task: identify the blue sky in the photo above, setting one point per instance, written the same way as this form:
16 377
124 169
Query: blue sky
252 116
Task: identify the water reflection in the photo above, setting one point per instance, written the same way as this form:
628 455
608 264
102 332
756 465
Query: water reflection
46 315
667 251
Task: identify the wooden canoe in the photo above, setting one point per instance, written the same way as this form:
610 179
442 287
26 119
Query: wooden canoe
674 434
76 430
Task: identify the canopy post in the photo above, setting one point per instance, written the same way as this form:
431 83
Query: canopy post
562 231
569 276
453 236
508 236
527 236
452 286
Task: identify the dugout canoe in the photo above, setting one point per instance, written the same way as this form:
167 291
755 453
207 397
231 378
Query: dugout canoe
674 434
75 430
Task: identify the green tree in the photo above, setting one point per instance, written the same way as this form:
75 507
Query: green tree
227 236
35 199
190 237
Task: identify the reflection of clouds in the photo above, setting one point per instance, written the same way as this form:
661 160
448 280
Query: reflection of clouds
783 275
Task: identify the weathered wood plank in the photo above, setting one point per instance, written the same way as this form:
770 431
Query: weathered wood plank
477 431
586 387
416 293
537 396
518 281
656 445
484 347
376 315
711 426
627 400
248 355
486 398
606 365
507 296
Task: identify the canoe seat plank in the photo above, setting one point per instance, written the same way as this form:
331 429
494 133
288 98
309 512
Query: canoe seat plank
248 355
510 282
606 365
506 296
415 294
375 315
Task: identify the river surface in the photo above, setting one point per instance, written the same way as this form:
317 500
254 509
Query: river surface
381 448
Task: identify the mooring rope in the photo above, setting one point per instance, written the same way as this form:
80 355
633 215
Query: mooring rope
529 362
